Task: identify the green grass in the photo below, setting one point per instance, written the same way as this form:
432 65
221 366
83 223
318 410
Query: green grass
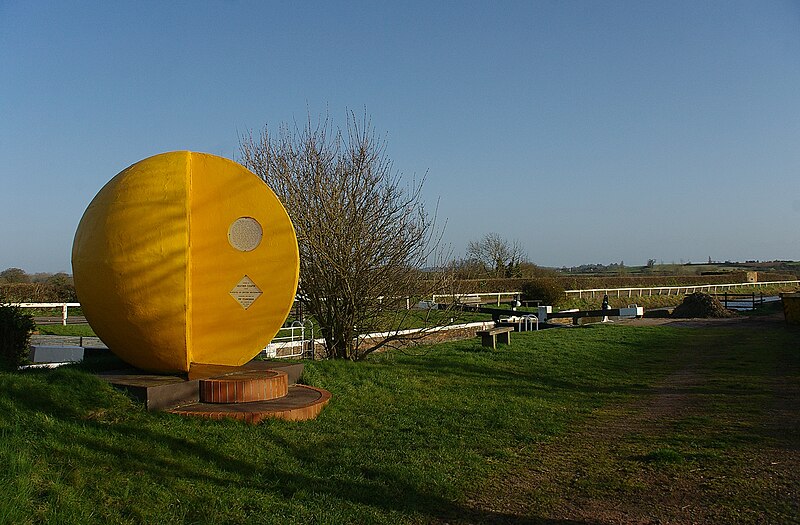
407 438
66 330
728 444
663 455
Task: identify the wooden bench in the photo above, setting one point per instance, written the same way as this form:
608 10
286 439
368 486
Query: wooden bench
532 302
489 337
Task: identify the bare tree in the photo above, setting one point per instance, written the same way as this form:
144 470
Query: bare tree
498 256
363 236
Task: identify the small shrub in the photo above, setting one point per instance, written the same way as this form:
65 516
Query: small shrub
549 291
15 335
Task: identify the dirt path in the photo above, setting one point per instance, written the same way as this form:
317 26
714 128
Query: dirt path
710 444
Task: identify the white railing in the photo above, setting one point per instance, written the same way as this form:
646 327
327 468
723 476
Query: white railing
296 341
64 308
473 297
406 298
671 290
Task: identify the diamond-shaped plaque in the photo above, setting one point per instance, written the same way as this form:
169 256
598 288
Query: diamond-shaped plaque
246 292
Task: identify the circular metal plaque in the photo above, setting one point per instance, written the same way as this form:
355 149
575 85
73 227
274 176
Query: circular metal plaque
245 234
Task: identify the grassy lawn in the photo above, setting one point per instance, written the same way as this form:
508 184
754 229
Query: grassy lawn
83 330
714 441
449 433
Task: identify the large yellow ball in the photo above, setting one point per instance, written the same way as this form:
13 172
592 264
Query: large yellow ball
185 258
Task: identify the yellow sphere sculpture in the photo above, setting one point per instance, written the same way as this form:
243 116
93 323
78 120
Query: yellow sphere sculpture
185 258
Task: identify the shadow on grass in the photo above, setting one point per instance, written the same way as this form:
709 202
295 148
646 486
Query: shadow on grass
138 450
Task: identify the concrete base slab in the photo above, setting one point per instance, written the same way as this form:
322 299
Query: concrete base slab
55 354
157 392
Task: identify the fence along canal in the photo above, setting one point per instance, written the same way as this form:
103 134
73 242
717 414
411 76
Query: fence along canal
672 290
745 301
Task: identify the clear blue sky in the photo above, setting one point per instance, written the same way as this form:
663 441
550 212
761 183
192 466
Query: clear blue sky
589 131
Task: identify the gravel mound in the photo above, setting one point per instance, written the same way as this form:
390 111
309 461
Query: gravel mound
700 305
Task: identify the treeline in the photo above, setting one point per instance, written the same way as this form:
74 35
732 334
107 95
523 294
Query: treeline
17 286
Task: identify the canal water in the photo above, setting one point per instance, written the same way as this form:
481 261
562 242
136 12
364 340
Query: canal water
746 303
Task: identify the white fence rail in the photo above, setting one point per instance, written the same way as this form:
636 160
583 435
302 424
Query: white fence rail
64 308
296 340
407 300
671 290
474 297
